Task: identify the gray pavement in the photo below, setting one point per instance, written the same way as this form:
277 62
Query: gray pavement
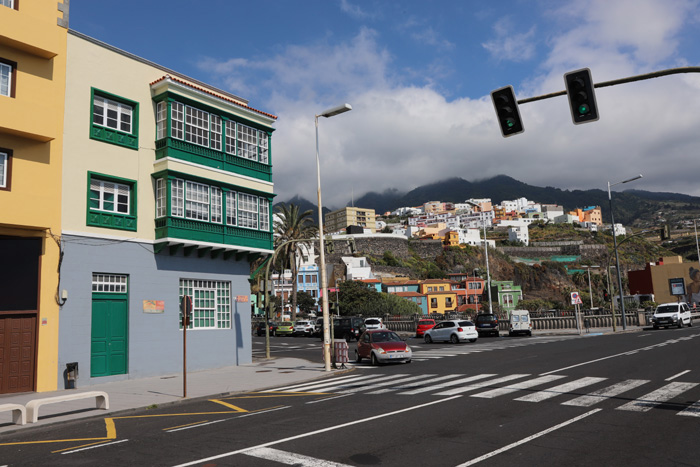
139 393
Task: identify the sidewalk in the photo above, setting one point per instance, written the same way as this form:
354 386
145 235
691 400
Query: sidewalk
145 392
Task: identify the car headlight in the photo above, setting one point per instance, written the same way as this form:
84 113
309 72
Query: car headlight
381 351
408 349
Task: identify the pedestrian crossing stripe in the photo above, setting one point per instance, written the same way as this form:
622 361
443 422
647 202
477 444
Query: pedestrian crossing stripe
494 385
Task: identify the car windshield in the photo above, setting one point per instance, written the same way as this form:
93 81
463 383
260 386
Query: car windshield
486 318
466 323
372 321
515 318
525 318
667 309
286 324
385 337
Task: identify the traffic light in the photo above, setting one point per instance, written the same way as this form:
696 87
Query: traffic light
579 88
507 111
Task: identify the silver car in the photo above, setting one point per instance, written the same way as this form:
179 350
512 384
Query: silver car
454 330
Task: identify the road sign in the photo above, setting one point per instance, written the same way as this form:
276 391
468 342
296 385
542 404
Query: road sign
575 298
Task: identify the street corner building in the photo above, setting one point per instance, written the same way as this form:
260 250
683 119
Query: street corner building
132 187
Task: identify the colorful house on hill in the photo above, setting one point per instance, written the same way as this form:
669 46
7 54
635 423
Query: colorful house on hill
405 286
32 86
167 193
506 294
439 294
470 292
417 298
376 284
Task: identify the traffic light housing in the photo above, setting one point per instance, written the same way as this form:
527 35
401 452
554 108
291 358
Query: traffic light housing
581 93
507 111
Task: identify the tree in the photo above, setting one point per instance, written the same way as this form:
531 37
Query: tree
305 301
291 224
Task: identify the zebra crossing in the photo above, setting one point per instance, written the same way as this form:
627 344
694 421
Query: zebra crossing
423 352
538 388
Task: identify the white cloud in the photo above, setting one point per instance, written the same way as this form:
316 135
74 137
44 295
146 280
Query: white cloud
354 10
509 44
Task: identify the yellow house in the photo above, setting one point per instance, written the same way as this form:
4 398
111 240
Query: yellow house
439 294
32 83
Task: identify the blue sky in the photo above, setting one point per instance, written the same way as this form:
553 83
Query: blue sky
418 75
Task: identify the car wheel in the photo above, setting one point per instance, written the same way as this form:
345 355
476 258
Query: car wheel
472 340
274 333
690 323
358 359
454 339
510 334
656 327
680 323
347 337
374 360
428 339
408 361
497 334
529 334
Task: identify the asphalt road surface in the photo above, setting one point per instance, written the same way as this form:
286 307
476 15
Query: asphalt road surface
625 399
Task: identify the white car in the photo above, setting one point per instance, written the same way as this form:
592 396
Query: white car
303 328
454 330
672 314
374 323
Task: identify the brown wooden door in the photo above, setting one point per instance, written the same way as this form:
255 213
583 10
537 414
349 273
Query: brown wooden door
17 353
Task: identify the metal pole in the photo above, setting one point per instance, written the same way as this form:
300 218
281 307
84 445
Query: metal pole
617 262
612 303
695 222
322 260
488 271
590 290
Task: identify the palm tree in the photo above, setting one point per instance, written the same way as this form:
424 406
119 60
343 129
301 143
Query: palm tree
290 224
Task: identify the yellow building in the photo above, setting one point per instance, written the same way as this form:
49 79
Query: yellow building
342 218
440 296
32 83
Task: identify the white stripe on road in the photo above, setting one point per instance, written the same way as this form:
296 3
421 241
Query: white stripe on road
518 386
676 376
529 438
473 387
347 387
95 447
383 383
316 432
291 458
658 397
605 393
435 387
692 411
413 385
306 386
559 390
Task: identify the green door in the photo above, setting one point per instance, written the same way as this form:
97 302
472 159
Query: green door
108 355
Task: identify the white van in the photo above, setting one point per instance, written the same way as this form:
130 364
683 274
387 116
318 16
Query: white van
520 323
672 314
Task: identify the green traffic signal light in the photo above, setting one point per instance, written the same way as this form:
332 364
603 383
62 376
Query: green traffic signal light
507 111
580 89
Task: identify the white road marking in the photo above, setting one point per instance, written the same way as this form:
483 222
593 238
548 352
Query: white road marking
473 387
343 387
383 383
559 390
95 447
692 411
316 432
518 386
676 376
326 382
605 393
448 384
529 438
414 385
658 397
290 458
328 399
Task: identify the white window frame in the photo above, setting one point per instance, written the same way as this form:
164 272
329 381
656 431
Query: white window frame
264 211
211 303
124 112
161 194
8 3
4 158
231 137
196 126
177 197
215 122
5 79
231 208
247 211
196 201
177 120
216 205
161 120
110 283
264 150
247 142
117 190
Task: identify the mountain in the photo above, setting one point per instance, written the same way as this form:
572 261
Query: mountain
304 205
629 206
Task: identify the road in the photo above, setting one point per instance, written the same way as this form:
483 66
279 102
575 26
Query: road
624 399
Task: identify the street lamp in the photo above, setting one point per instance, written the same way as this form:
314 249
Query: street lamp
617 256
590 288
324 286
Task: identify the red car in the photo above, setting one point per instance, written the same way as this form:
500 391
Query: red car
382 346
424 325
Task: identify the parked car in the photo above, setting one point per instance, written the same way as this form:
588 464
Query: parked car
486 323
303 328
348 327
453 330
424 325
260 329
382 346
672 314
520 323
318 327
374 323
285 328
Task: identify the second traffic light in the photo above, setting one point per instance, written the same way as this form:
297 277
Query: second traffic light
580 89
507 111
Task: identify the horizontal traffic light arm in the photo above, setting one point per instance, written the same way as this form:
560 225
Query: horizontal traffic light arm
631 79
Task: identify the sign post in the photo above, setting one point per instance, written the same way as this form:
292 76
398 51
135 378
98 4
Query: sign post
576 301
186 309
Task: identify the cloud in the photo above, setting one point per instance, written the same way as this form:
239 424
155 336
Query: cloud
510 45
354 10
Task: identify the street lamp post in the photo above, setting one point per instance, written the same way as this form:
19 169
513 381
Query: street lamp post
322 258
697 246
617 256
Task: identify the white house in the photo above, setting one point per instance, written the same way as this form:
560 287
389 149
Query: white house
519 234
357 268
